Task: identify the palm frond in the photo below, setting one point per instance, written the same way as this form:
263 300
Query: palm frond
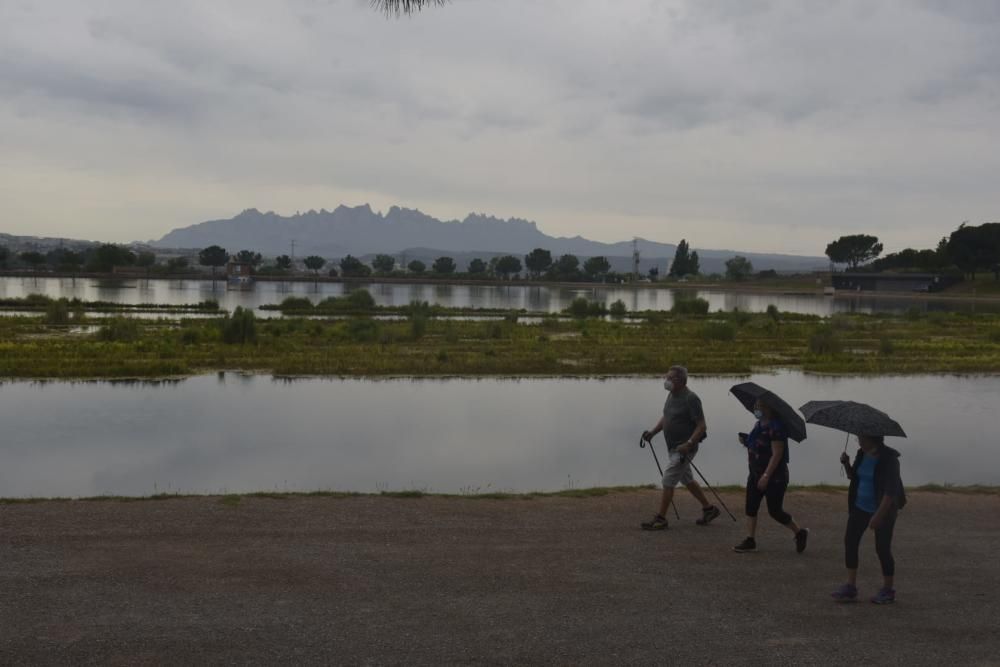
397 7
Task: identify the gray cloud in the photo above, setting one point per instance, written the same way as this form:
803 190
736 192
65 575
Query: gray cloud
704 119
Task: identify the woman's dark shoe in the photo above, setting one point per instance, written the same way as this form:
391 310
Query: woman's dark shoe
747 545
846 593
801 538
885 596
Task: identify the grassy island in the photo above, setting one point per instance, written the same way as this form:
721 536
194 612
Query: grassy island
432 341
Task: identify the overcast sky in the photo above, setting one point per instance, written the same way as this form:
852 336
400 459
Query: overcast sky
768 126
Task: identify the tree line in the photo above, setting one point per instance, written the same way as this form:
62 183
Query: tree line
970 249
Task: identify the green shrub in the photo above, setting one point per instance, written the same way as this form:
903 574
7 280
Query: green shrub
886 346
511 317
913 314
773 312
120 330
190 336
550 322
362 329
57 312
618 309
578 307
825 341
37 300
695 306
240 327
293 303
993 336
740 317
718 331
418 325
581 308
361 300
841 322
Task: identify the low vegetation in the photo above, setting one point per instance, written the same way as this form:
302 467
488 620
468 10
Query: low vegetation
424 341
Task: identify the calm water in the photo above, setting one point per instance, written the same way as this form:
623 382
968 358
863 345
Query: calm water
543 299
244 433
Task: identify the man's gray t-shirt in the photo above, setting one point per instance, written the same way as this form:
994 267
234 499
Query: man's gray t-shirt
681 413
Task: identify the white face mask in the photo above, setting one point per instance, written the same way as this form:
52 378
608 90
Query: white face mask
758 413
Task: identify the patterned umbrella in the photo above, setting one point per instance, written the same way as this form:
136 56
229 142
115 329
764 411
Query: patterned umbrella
749 393
851 417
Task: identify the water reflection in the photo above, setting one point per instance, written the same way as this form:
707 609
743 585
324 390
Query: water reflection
530 297
237 432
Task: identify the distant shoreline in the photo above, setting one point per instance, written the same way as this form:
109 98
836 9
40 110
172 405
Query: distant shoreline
752 287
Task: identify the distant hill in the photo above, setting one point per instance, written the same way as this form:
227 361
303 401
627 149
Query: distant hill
362 232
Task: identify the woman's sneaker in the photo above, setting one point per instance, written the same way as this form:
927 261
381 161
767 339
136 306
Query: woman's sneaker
801 538
707 515
846 593
885 596
658 523
747 545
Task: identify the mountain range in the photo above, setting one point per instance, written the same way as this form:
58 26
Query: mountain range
362 232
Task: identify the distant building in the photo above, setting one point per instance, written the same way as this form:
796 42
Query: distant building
893 282
239 274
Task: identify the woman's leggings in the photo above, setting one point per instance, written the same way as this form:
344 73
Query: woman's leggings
857 524
775 494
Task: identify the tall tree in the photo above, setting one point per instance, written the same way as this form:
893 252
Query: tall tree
384 263
32 258
314 263
353 267
145 260
682 261
283 262
249 257
567 267
71 260
738 268
507 266
4 254
596 267
109 255
975 248
443 266
854 249
416 266
477 266
213 256
538 262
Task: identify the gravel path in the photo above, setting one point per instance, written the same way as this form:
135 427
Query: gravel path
380 580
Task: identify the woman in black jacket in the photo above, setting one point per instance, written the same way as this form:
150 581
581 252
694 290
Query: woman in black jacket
875 496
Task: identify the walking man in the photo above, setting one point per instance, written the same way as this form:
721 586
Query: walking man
683 426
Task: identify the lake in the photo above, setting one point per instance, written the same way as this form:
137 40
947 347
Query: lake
238 433
534 298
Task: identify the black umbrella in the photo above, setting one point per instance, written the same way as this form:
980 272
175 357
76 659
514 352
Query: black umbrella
851 417
749 393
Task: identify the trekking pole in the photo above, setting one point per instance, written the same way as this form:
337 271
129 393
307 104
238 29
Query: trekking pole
642 444
712 490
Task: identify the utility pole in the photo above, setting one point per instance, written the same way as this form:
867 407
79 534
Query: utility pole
635 259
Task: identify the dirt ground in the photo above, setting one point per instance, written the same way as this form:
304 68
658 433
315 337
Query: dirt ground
380 580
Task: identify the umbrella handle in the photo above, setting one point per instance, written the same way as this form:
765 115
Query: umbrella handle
846 440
